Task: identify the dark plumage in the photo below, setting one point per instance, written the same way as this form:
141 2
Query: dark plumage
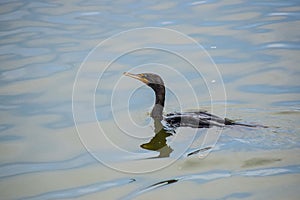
199 119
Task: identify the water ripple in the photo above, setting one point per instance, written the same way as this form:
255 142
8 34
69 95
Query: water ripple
214 175
4 127
273 3
284 14
295 103
280 45
15 169
16 101
5 138
40 70
269 89
80 191
23 51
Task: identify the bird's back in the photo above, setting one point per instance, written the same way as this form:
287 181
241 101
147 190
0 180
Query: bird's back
198 119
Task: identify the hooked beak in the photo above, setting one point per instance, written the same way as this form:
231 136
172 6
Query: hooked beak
137 76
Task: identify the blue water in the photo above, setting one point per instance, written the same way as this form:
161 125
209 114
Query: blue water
43 45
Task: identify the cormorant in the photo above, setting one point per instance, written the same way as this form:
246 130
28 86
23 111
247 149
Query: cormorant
199 119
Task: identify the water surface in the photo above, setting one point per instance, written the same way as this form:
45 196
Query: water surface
255 46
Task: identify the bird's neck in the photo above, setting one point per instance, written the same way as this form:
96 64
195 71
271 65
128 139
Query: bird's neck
157 110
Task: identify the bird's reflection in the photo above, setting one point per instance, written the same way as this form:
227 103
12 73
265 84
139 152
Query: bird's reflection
159 141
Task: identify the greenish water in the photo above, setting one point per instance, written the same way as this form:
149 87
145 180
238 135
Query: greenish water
53 74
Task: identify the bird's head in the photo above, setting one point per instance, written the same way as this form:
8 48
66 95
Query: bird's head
152 80
156 83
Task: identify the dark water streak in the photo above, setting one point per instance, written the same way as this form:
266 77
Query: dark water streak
209 176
